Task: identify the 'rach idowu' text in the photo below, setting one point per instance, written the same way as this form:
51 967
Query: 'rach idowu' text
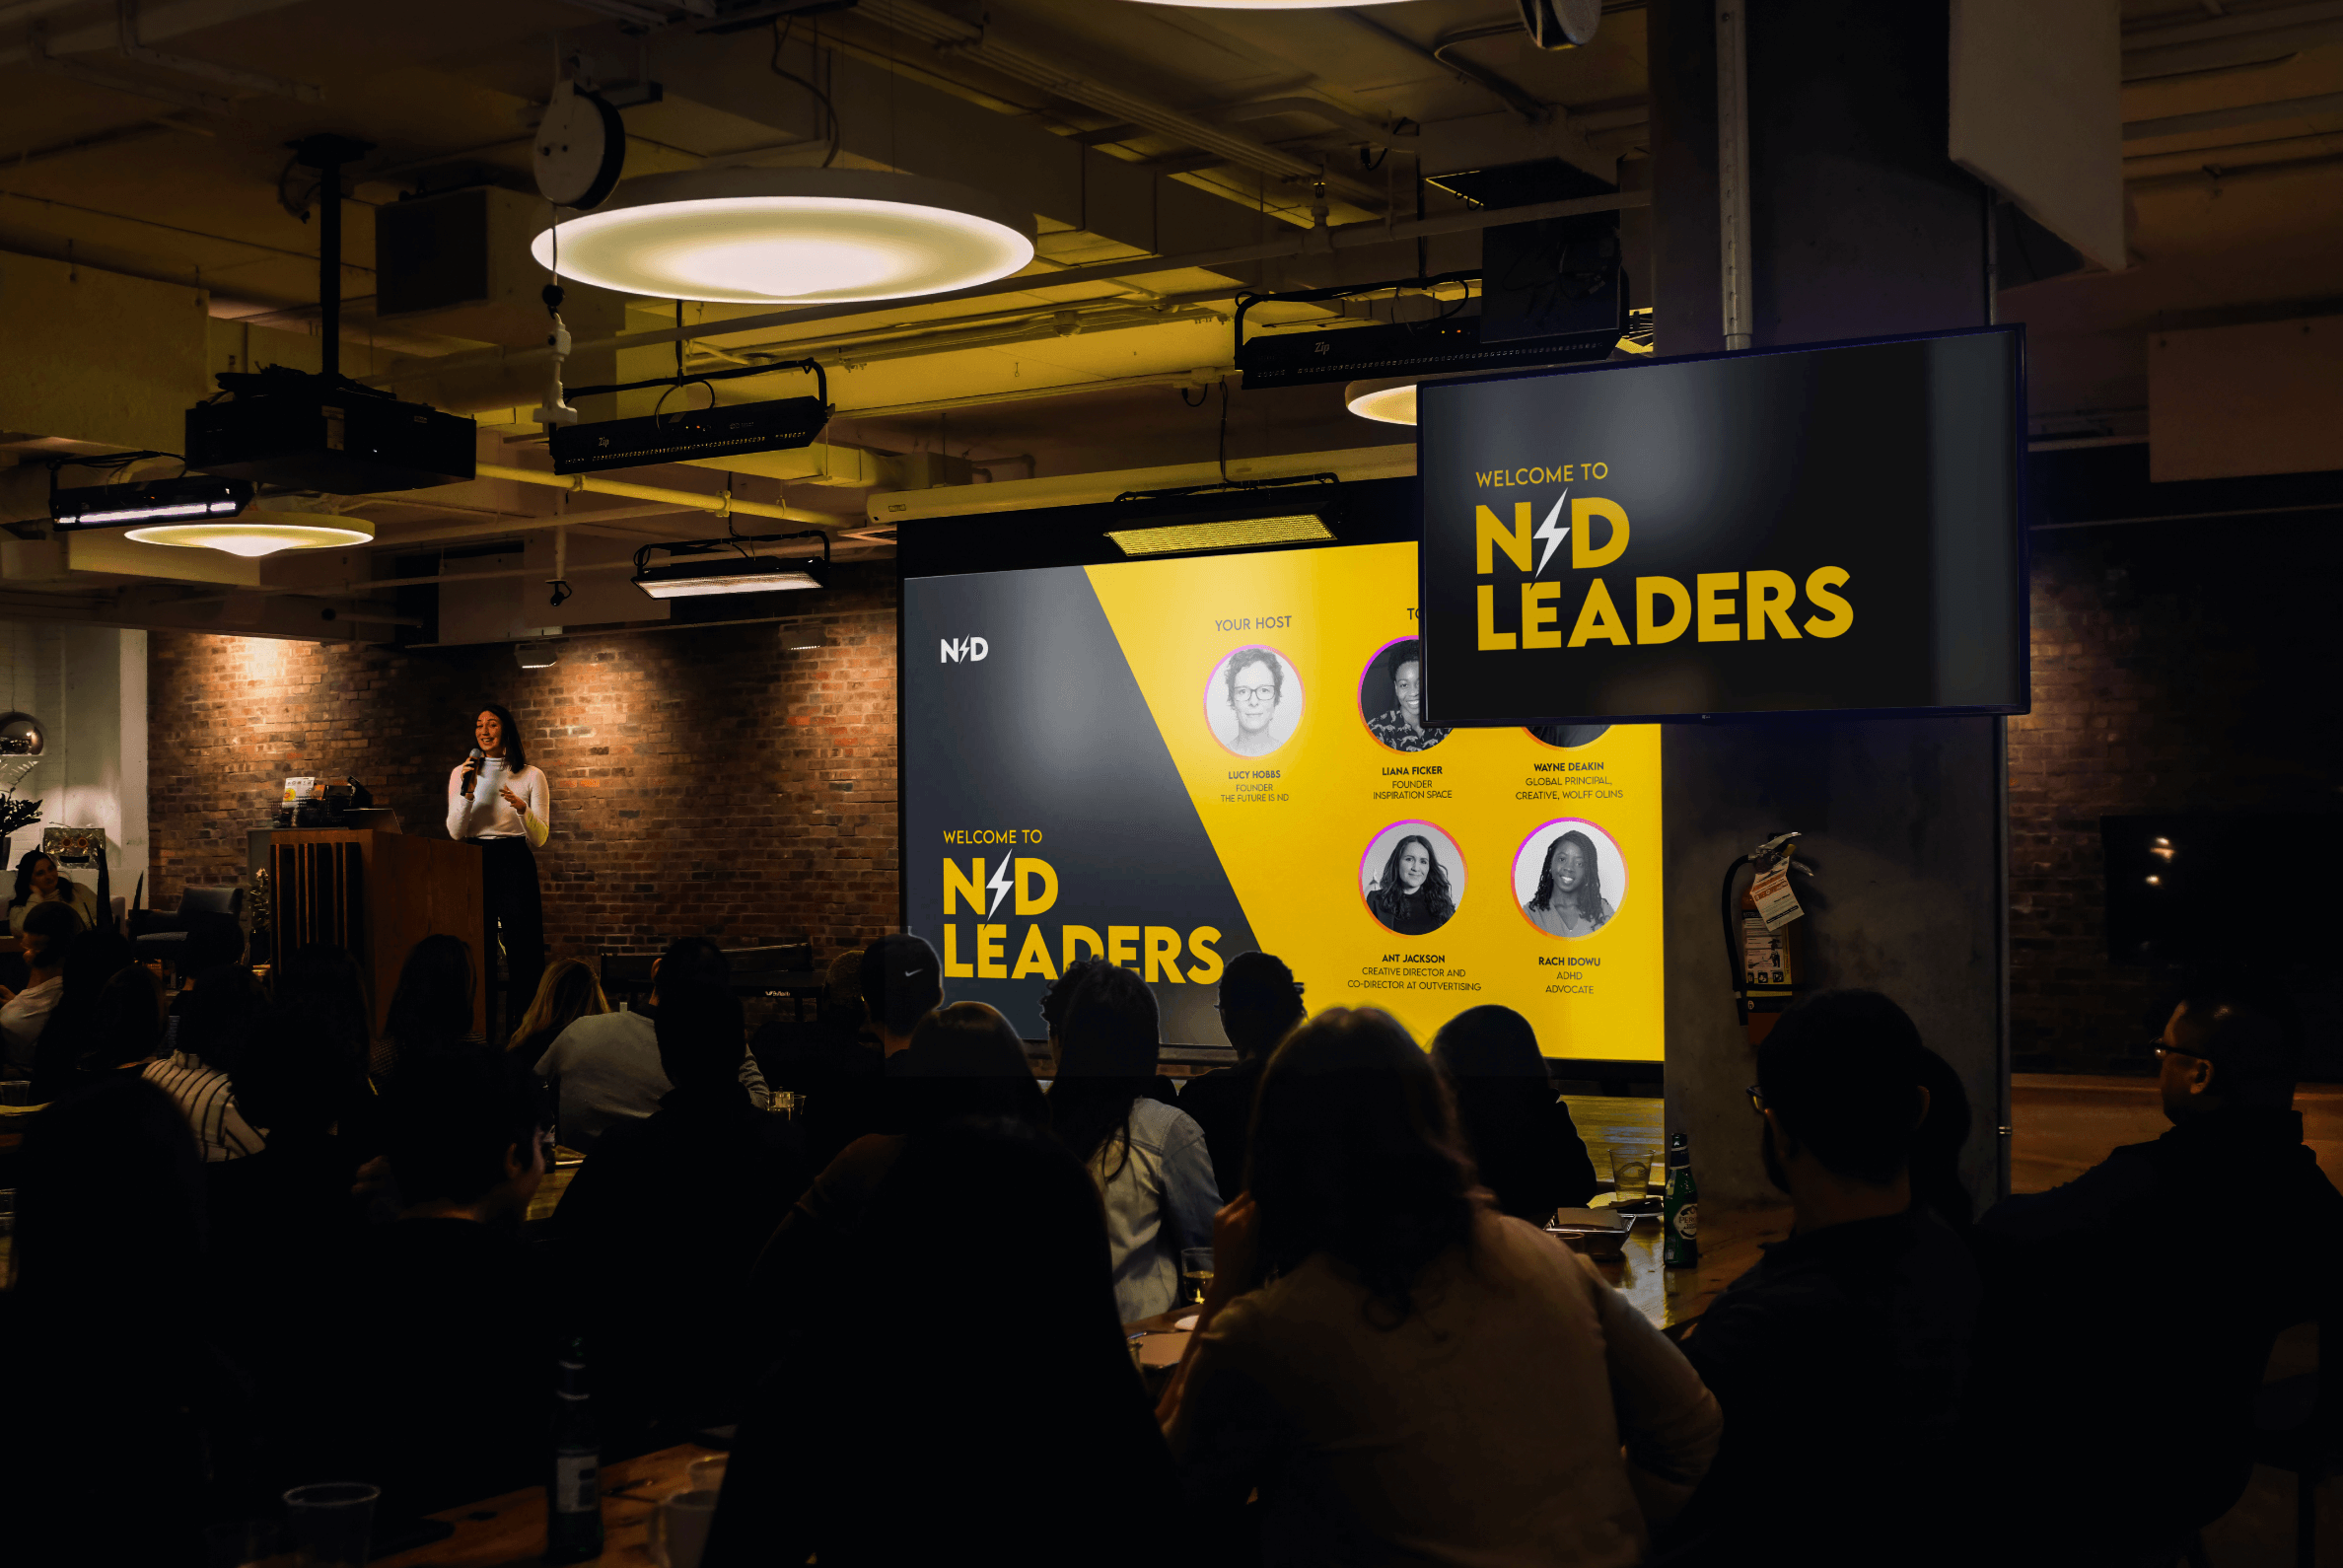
1719 607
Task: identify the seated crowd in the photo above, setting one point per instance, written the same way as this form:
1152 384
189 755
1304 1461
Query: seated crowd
261 1244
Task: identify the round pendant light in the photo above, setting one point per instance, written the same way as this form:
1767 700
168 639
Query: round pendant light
789 235
259 533
1392 400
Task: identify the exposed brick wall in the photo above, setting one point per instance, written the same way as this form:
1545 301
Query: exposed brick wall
705 782
2176 666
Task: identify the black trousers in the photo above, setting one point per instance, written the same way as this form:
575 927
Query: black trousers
516 912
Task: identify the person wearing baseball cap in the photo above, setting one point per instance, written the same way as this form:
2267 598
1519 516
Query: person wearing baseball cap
903 982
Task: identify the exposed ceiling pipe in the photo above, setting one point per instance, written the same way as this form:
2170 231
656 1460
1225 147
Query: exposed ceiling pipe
2214 175
2140 130
691 500
1507 93
1319 108
1025 326
156 22
1733 170
2222 43
1297 243
1078 85
1201 377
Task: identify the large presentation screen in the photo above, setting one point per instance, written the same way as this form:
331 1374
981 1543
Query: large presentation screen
1171 762
1813 530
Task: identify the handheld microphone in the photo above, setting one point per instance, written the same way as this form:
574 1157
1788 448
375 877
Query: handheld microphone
473 762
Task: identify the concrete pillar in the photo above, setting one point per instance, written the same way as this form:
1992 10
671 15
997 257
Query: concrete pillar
1862 226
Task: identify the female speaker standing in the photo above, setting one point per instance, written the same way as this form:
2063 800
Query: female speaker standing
497 801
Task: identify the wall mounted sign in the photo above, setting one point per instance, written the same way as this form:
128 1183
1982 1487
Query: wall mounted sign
1832 529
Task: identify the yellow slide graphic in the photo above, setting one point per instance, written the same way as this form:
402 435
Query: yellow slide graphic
1390 863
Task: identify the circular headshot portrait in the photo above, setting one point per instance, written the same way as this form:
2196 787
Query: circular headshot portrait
1413 878
1569 878
1568 737
1391 697
1253 700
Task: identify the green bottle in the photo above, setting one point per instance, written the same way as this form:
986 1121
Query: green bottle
573 1493
1680 1223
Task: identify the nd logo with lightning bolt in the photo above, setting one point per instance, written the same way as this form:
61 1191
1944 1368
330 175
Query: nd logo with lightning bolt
1029 886
1722 606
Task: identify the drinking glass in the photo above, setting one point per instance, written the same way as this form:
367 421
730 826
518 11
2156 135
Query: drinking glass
1195 1274
1631 1171
707 1475
678 1532
330 1523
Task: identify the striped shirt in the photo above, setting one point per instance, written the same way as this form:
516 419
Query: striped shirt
210 1103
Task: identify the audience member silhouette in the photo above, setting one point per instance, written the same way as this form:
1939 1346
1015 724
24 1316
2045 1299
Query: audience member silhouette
566 992
1520 1132
968 1063
67 1053
832 1064
126 1029
903 982
320 984
849 1457
50 933
2140 1356
284 1220
1937 1147
431 1009
1258 1003
213 1022
1399 1371
689 1195
1148 1157
114 1374
441 1393
604 1068
1842 1352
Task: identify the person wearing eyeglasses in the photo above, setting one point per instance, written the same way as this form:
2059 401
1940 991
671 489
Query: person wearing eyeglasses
2137 1306
1256 685
1838 1359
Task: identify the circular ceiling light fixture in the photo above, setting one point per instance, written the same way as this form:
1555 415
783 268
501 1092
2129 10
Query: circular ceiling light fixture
1392 400
789 236
258 533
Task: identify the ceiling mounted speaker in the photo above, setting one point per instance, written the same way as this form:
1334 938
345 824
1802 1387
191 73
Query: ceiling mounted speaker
580 148
788 235
1561 24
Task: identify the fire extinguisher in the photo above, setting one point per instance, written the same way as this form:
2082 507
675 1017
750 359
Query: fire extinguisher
1764 937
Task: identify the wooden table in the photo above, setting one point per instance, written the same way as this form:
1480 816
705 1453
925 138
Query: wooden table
1670 1298
509 1532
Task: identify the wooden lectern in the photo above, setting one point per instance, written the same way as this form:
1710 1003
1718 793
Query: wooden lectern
377 894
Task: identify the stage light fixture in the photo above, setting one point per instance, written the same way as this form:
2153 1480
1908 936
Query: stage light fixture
259 533
1238 515
1241 533
802 639
702 567
541 654
764 236
192 495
